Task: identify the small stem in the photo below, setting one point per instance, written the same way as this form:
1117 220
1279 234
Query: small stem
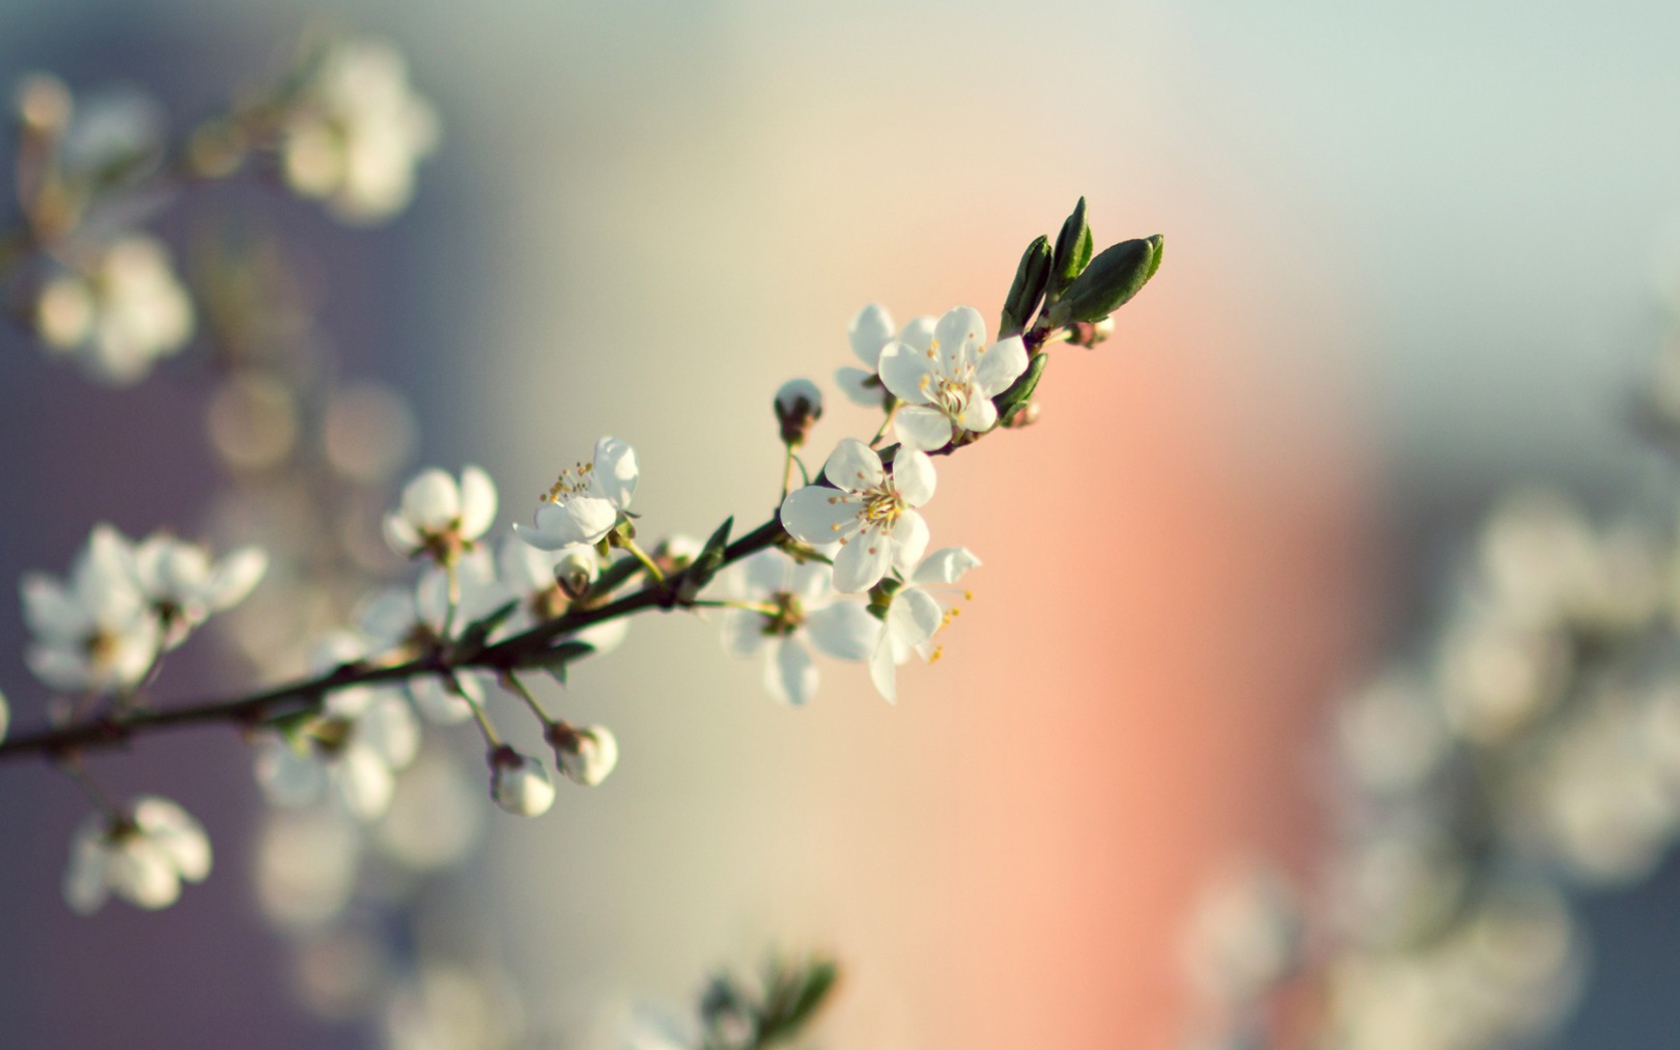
100 798
491 738
640 555
787 470
512 683
758 607
886 424
454 597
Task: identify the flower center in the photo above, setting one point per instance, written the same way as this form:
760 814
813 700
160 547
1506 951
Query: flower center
881 506
788 617
573 481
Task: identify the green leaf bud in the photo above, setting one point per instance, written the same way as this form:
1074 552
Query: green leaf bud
1109 282
1027 292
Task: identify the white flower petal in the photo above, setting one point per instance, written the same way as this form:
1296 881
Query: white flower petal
979 415
883 670
605 636
235 577
855 384
50 610
615 472
61 668
921 427
478 503
401 535
919 333
946 565
818 514
389 729
790 674
767 572
862 562
388 618
844 630
431 501
999 365
909 540
439 704
524 790
869 331
86 878
811 580
912 619
287 778
914 476
854 466
140 873
743 632
959 334
176 833
364 783
907 372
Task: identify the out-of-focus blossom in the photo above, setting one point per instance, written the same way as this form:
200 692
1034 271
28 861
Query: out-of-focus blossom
794 604
948 387
306 865
352 750
586 501
142 858
798 405
357 132
446 1006
1245 936
585 754
440 519
184 585
94 632
871 514
1392 734
520 784
869 333
915 615
436 815
121 314
546 582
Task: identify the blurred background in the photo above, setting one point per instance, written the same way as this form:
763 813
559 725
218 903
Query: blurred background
1415 252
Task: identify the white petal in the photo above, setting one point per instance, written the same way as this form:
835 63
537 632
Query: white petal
909 540
615 472
919 333
478 503
431 599
912 619
432 500
913 476
844 630
945 565
86 879
855 384
51 611
143 875
743 632
999 365
389 729
401 535
921 427
767 572
854 466
60 667
364 783
862 561
388 618
524 790
582 519
527 569
605 636
439 704
287 778
959 334
818 514
979 415
811 580
869 331
790 674
5 717
235 577
907 372
883 670
177 833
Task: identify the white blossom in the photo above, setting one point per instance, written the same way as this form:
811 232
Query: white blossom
534 577
520 784
439 518
948 386
184 586
869 333
352 751
94 632
5 716
915 615
120 314
357 133
143 859
586 754
587 501
800 611
871 514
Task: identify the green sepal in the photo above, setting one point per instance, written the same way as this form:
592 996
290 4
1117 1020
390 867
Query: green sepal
1027 291
557 658
1012 400
1111 280
706 564
1073 253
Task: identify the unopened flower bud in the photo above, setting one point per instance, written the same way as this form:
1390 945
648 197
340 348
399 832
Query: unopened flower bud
1088 333
799 405
585 754
1023 415
43 103
576 570
519 784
